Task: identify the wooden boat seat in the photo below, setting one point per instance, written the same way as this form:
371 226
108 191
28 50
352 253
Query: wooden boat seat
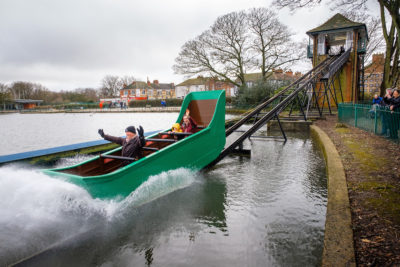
176 134
97 167
161 140
117 157
154 144
150 148
202 109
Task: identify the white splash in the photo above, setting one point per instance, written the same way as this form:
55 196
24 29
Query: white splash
159 185
64 162
37 211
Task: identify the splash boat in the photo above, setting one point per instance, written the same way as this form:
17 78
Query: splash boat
104 176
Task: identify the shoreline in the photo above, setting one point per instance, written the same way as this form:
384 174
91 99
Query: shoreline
128 110
338 238
105 110
373 187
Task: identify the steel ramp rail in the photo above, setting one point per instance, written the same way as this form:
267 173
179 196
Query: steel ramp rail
263 105
285 97
315 96
334 67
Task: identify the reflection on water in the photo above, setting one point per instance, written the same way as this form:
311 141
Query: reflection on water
267 210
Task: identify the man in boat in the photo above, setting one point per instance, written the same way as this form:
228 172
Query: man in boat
131 145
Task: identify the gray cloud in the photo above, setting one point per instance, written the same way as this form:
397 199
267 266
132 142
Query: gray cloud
74 43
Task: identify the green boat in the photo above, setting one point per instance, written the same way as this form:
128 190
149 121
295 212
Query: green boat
104 176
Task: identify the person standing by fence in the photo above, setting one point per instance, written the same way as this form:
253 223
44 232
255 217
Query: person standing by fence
394 108
376 102
384 114
390 120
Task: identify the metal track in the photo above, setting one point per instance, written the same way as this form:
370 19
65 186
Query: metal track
289 95
263 105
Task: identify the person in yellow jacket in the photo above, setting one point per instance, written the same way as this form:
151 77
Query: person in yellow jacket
176 128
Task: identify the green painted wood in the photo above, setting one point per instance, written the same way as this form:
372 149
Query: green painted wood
194 152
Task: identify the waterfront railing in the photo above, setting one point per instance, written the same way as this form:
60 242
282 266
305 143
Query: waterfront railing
372 118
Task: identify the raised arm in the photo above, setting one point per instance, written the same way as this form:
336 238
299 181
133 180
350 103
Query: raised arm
117 140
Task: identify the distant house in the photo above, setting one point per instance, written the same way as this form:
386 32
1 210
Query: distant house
203 84
139 90
252 78
373 74
222 85
161 90
277 77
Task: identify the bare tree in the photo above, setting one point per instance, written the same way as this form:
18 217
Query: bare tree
272 42
91 94
5 94
110 86
391 74
391 65
40 92
22 90
221 51
127 80
393 7
195 58
293 5
236 43
376 42
230 44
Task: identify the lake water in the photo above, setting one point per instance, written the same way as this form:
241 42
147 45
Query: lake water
264 210
27 132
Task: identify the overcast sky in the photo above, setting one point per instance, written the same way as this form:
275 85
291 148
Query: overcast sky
71 44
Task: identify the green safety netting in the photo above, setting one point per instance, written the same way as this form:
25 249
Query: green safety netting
372 118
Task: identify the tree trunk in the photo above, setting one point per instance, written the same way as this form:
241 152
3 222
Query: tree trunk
390 49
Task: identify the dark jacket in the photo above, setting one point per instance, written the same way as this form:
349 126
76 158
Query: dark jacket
385 101
131 149
395 102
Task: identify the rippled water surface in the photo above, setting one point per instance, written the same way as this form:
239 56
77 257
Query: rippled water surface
264 210
27 132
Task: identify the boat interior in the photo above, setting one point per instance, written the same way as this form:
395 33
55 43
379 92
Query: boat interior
201 111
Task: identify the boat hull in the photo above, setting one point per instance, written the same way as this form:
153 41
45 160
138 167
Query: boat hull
193 152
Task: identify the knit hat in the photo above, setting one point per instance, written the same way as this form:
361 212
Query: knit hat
131 129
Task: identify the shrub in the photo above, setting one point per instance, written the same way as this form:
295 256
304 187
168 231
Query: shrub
250 97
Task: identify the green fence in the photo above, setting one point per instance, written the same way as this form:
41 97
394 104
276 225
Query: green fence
375 119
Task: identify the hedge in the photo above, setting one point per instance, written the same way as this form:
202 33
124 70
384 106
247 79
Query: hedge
173 102
77 106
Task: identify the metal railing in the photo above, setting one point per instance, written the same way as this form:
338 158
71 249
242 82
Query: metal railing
333 68
297 91
362 45
375 119
309 51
